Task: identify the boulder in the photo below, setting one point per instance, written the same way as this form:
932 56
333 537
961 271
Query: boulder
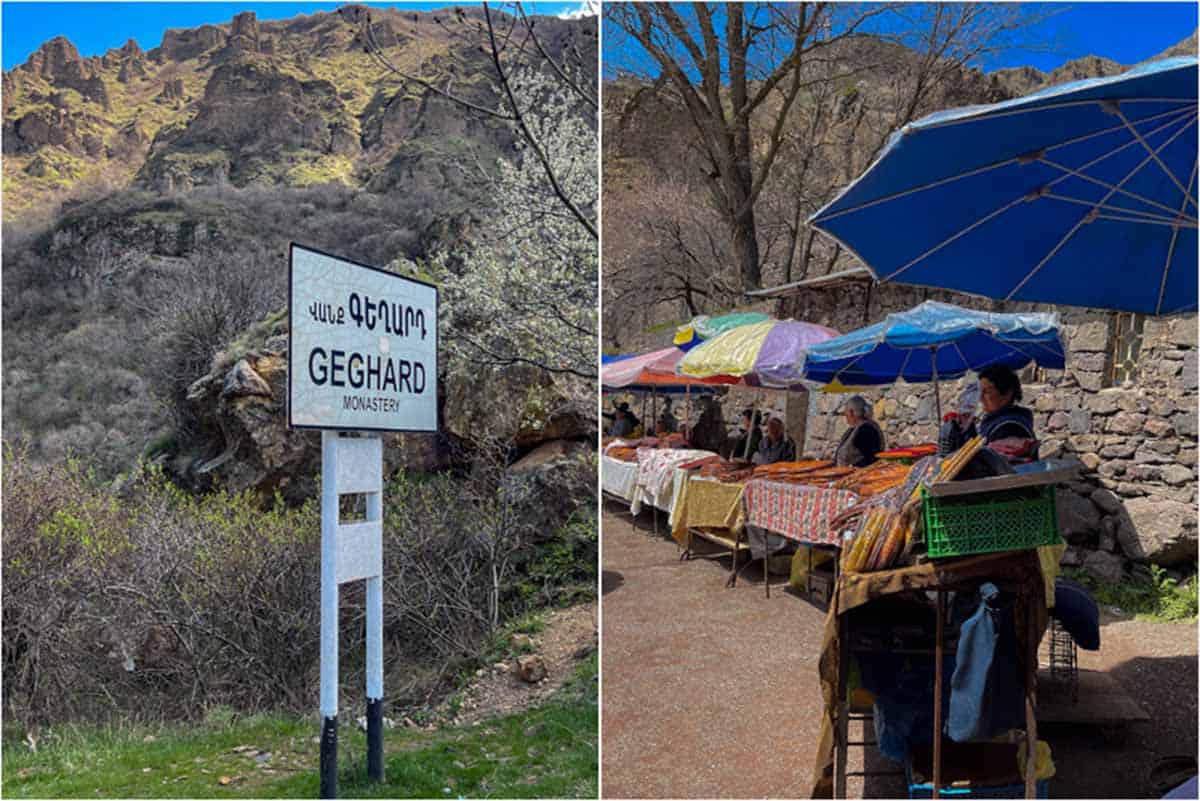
1177 474
1188 375
1083 443
1072 557
1108 535
1157 530
1058 421
1089 380
1090 460
1185 423
1091 362
1165 446
1144 472
1126 423
518 404
1158 427
1109 504
1147 455
244 380
1078 518
546 452
1183 332
530 669
1103 402
1104 566
1050 449
1122 449
1090 336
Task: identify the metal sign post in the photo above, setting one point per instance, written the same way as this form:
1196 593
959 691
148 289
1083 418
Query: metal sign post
351 552
362 357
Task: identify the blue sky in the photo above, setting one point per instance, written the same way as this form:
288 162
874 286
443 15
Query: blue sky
94 28
1126 32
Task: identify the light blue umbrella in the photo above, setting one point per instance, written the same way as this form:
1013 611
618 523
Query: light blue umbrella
933 341
1081 194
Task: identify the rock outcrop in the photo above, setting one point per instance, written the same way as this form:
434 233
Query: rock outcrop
246 444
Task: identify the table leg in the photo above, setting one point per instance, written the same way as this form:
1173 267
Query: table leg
808 575
843 708
733 560
766 567
937 693
1030 714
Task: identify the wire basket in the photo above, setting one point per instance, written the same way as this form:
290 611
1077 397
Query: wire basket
982 522
1064 660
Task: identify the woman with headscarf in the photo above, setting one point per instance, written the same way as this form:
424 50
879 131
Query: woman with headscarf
1005 426
863 438
749 435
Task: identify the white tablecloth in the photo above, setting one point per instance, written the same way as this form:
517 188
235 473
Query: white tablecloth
618 478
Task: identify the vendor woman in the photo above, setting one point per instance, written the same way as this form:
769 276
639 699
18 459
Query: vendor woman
999 391
863 438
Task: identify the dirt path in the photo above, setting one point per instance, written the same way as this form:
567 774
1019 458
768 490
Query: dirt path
712 692
569 636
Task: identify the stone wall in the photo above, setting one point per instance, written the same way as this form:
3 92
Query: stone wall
1136 500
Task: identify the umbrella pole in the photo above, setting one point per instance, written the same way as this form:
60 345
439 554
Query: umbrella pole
750 430
937 395
688 391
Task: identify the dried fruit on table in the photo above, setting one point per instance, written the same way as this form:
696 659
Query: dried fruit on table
865 540
622 454
896 539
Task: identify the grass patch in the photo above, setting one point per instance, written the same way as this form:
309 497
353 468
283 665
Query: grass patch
320 169
550 751
1157 598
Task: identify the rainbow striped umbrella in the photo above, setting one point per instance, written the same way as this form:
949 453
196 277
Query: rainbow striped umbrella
769 353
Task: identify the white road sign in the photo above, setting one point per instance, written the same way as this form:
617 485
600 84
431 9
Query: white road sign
363 346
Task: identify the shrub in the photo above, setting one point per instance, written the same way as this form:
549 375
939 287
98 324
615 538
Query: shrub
146 601
1156 597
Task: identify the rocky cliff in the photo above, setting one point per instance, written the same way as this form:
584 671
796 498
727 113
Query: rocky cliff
149 201
289 102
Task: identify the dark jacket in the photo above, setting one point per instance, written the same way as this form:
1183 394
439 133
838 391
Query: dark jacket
1011 421
739 446
858 446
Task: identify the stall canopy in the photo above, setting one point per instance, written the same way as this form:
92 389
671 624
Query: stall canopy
703 327
1081 194
654 371
934 341
765 354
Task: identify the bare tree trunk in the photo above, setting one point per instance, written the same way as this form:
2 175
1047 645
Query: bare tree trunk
745 248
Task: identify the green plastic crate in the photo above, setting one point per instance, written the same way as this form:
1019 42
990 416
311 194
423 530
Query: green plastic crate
985 522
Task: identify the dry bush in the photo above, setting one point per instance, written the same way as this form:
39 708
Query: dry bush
148 602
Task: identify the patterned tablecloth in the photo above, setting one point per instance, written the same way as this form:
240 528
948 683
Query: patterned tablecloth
656 466
796 511
618 478
707 503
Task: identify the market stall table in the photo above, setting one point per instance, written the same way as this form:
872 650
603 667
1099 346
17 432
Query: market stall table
780 513
618 479
711 510
656 481
1020 572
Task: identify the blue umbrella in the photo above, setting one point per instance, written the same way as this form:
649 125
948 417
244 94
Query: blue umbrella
934 341
1081 194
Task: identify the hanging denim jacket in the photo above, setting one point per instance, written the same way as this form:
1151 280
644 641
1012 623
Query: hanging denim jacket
987 688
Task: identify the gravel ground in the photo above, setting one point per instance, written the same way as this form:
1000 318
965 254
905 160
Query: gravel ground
569 637
710 692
